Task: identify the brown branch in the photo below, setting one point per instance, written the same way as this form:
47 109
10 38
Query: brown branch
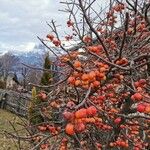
93 30
135 116
124 35
47 46
49 86
54 29
42 69
110 63
85 99
142 56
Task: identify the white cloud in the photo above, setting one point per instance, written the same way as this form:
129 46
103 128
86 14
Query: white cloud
27 46
30 46
22 20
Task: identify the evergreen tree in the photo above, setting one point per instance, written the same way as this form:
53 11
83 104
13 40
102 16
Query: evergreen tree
47 75
34 115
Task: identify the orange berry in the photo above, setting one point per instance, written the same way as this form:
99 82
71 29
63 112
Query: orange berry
92 75
117 120
102 69
70 129
85 77
87 39
79 127
141 108
68 115
77 64
42 128
50 36
147 109
101 75
56 42
81 113
71 80
96 83
77 82
85 82
91 111
76 74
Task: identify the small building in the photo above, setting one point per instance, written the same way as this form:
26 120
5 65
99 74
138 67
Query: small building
12 81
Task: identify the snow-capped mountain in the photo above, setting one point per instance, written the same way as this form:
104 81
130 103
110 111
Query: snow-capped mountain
36 52
33 57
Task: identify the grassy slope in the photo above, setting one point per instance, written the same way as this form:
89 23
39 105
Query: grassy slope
5 117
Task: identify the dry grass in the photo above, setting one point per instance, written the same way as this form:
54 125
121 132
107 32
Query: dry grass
5 119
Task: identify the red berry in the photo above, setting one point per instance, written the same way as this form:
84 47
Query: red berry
141 108
142 81
70 129
68 115
137 96
91 111
79 127
81 113
117 120
50 36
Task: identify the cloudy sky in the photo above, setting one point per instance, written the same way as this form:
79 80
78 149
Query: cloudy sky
22 20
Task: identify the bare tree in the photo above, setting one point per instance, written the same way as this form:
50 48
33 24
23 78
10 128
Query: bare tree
8 63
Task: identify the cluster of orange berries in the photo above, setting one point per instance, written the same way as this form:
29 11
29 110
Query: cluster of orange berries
141 27
95 49
79 119
139 144
111 17
143 108
111 43
133 129
107 92
53 130
70 23
98 99
130 31
54 40
137 97
72 56
134 135
68 37
44 146
63 145
141 83
122 61
92 78
87 39
119 7
103 126
112 20
120 143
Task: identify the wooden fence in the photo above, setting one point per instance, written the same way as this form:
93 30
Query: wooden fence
15 102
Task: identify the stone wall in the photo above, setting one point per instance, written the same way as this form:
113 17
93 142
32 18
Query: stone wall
14 101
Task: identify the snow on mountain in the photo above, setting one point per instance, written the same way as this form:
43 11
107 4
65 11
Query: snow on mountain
33 54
